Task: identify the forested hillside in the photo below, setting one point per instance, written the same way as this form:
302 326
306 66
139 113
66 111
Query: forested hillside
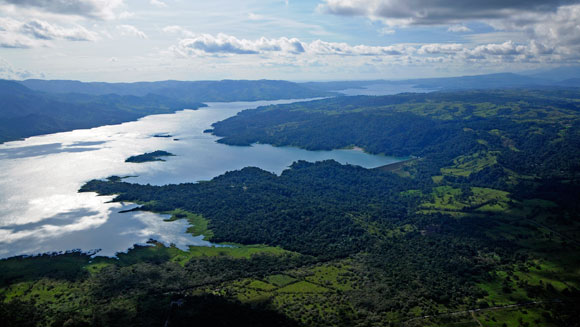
532 132
561 77
24 112
214 91
479 227
35 107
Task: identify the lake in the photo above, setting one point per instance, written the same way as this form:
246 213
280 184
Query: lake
384 89
41 210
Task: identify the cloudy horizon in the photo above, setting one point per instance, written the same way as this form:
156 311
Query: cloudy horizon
132 40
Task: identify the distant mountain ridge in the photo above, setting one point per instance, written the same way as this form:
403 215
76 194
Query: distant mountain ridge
569 77
225 90
489 81
556 74
250 90
24 112
36 107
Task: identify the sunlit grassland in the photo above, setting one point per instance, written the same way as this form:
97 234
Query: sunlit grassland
57 295
157 253
280 280
532 315
44 290
305 294
64 286
477 199
198 224
518 111
303 287
466 165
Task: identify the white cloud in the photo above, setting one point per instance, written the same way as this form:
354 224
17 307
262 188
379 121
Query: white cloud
222 44
319 47
126 14
387 31
43 30
503 49
438 48
428 12
15 40
175 29
559 28
130 30
94 9
7 71
296 53
158 3
458 29
36 33
541 27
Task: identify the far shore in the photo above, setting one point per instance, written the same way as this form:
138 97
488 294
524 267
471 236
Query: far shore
395 165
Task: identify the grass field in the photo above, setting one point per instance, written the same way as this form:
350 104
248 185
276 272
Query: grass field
467 165
476 199
280 280
531 316
303 287
306 294
199 225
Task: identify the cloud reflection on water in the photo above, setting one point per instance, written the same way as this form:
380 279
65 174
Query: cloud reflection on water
42 211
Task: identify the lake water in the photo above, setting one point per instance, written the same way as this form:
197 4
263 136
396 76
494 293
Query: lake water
384 89
41 210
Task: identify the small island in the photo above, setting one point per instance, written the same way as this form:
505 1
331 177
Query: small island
150 156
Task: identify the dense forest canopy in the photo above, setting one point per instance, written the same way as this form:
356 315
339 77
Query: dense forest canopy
483 216
529 131
150 156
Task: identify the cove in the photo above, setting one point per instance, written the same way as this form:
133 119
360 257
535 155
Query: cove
40 207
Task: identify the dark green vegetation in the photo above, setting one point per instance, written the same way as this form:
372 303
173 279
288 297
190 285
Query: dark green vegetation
485 218
24 112
308 209
214 91
149 156
56 106
409 124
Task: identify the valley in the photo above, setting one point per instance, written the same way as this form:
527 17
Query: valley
478 227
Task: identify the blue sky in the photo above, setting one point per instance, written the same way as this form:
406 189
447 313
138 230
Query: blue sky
134 40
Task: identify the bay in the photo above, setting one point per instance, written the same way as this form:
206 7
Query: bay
40 207
384 89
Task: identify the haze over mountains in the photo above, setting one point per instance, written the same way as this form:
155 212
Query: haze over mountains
57 106
24 112
34 107
326 163
559 77
247 90
214 91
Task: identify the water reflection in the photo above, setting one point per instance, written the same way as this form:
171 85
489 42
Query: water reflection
46 149
61 219
41 210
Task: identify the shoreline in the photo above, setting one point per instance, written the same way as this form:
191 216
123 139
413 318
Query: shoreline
395 165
